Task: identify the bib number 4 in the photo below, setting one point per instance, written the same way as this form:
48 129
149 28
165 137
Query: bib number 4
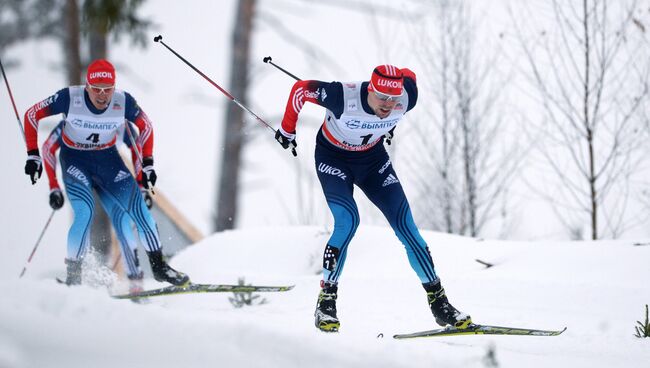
94 137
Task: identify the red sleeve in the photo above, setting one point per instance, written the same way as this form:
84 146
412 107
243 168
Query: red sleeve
31 119
50 147
58 103
328 95
145 138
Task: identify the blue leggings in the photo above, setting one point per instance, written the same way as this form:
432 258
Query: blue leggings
338 171
124 231
104 171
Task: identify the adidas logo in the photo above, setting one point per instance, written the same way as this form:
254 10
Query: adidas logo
120 176
391 179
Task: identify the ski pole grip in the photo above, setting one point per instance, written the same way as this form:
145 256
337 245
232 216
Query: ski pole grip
157 38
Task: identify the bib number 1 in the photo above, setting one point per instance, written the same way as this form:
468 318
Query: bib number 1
366 139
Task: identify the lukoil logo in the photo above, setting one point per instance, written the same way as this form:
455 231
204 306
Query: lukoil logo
77 174
327 169
389 83
94 75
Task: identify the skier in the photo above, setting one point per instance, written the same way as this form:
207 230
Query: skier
93 115
349 151
121 221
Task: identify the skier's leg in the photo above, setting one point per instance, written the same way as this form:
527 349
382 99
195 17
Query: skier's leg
81 201
78 187
385 192
338 190
383 188
124 231
116 181
337 183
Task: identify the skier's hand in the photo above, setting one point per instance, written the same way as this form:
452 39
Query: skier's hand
149 176
146 197
389 136
56 199
33 166
286 140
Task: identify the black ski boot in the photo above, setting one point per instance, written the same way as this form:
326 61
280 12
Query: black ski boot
73 272
164 273
444 313
325 313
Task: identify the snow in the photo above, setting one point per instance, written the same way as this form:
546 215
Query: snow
596 289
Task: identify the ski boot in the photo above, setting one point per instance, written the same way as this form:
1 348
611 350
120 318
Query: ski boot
73 272
164 273
445 313
325 313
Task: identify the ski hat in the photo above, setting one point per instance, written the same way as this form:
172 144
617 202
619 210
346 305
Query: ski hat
386 79
100 71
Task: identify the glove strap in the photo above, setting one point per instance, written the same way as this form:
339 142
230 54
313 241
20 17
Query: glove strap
289 136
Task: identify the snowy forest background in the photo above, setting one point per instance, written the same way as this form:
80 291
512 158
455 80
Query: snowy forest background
531 120
530 128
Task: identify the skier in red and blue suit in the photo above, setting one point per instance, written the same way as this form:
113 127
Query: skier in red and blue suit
359 116
121 221
94 115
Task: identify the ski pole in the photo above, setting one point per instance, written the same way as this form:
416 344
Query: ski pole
37 243
13 103
269 60
231 97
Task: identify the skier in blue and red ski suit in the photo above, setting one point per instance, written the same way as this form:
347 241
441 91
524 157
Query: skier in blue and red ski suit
121 221
349 151
93 115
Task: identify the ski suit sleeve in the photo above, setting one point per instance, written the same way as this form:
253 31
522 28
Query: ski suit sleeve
50 147
410 86
328 95
138 117
58 103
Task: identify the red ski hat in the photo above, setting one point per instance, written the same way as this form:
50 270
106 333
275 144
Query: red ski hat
100 71
387 80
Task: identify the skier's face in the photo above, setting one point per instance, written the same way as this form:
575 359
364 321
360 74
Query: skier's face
100 94
381 105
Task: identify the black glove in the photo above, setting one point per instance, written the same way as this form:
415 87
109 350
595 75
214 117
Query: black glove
33 165
389 136
286 140
149 176
147 198
56 199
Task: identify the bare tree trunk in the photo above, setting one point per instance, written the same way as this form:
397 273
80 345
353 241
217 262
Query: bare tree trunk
467 171
592 108
71 42
588 127
98 46
233 138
